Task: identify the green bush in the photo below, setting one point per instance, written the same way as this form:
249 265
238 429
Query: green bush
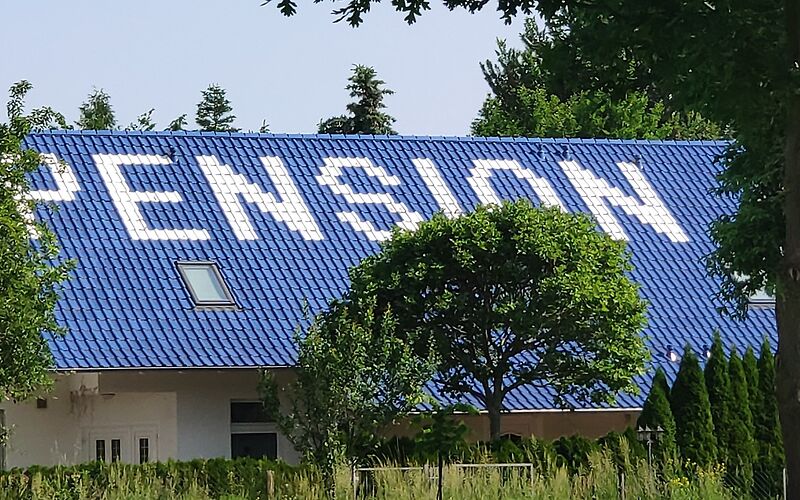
244 477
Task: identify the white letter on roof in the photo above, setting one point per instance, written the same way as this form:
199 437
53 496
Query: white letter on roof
482 171
597 194
127 201
65 180
67 187
228 186
441 193
329 175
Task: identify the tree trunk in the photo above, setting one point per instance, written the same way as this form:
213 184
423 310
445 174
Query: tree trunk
493 409
788 279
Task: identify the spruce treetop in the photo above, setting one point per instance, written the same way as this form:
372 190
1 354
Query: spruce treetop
366 111
214 111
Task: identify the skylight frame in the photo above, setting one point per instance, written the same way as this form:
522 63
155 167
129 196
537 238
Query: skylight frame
229 302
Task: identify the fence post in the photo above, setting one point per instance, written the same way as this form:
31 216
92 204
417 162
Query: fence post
621 486
354 480
270 484
785 481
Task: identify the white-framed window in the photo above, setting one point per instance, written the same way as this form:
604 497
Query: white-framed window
133 445
205 283
253 433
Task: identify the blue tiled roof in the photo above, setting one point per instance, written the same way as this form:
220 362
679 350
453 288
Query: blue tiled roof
126 306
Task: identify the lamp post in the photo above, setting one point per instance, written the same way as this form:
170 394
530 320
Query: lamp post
649 436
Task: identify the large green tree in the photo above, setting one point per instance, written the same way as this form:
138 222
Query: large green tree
214 112
741 446
513 296
96 113
366 115
547 89
718 386
656 413
354 375
738 63
30 269
694 428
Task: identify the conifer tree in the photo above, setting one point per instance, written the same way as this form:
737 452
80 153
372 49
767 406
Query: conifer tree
214 111
768 467
656 413
366 111
750 365
96 113
719 396
741 446
694 429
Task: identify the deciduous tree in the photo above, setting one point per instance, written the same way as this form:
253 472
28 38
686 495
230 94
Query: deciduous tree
214 112
546 89
354 376
694 428
513 296
366 115
96 113
30 269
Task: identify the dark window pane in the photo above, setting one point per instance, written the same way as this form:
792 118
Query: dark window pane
100 450
144 450
256 445
115 450
248 413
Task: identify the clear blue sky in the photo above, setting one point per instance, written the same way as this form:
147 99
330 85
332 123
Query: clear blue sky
291 71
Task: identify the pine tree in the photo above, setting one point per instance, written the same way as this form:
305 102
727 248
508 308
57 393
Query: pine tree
214 111
741 446
750 365
694 429
366 115
656 413
768 468
96 113
719 396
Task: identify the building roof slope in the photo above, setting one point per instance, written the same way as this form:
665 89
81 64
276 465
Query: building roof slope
284 217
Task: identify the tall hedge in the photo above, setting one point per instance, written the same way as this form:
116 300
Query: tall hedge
768 468
694 429
656 412
750 365
741 446
719 396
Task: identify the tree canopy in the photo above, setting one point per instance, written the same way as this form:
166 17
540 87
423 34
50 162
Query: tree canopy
96 113
30 269
511 296
548 89
355 375
366 115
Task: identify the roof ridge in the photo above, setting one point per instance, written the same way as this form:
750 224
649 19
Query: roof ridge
410 138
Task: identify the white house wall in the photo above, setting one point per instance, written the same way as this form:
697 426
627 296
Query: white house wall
190 411
62 432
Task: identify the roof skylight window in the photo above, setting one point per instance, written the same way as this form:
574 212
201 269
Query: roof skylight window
205 284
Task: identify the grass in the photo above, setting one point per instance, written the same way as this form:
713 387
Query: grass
600 480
